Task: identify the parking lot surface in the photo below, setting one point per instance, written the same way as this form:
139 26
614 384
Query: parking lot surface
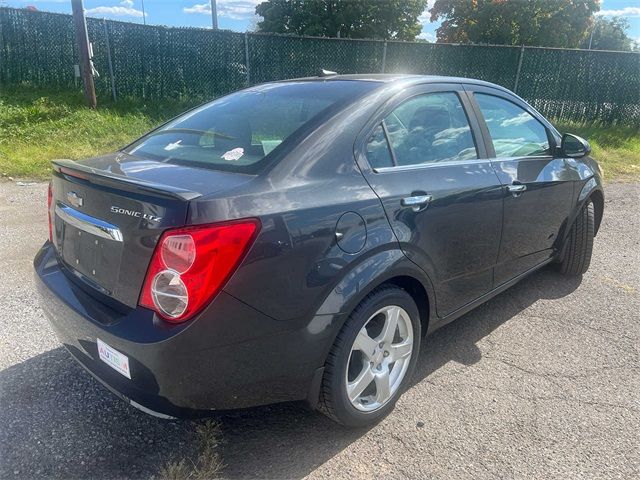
543 381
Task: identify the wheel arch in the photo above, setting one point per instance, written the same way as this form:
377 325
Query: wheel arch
418 292
388 267
591 191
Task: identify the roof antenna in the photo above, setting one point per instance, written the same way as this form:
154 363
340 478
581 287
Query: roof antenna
326 73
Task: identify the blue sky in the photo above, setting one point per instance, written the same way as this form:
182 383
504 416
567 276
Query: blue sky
239 15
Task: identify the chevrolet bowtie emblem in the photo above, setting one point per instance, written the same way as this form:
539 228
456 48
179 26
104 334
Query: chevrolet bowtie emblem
74 199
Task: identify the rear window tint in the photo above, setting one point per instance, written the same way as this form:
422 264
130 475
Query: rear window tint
239 131
429 128
378 152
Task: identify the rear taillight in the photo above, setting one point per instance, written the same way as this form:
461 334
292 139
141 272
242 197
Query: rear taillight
190 265
49 204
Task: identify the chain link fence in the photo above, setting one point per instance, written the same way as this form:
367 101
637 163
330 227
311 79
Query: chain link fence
157 62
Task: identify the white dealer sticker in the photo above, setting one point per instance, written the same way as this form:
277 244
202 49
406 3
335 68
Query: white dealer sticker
114 359
233 155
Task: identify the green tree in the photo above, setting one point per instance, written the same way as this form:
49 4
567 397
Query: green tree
545 23
609 34
380 19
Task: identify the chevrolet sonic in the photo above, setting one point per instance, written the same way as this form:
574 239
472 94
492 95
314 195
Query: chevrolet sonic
298 239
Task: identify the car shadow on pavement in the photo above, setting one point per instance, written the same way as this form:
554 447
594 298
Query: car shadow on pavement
458 340
58 421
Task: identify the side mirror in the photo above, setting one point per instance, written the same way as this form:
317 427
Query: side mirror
574 146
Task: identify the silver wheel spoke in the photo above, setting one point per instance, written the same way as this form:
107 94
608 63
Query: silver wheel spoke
401 350
390 324
362 381
383 389
365 343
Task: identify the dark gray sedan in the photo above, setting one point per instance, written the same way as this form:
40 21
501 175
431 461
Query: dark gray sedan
297 240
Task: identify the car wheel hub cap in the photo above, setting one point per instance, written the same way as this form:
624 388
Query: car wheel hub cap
379 358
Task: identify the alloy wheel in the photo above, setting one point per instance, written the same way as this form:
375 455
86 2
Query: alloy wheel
379 358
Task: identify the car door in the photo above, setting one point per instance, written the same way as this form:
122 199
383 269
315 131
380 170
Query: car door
424 156
538 187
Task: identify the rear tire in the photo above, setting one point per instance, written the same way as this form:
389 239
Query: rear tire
373 358
579 246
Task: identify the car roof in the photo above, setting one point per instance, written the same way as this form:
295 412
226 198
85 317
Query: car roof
394 78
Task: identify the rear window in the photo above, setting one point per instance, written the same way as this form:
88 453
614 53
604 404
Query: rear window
239 132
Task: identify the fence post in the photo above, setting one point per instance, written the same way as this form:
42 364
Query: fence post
108 45
384 56
515 85
246 57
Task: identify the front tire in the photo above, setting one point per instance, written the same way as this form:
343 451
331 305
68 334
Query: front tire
372 359
579 246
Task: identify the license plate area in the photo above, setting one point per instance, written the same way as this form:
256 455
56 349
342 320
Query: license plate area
93 256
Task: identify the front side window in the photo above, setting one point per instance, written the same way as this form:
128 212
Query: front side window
514 131
236 132
430 128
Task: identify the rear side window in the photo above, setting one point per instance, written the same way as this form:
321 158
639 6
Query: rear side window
429 128
239 131
378 152
514 131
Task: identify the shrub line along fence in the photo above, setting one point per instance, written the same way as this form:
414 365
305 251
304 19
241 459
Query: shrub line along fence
158 62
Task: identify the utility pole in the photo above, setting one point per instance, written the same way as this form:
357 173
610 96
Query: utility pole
82 40
591 36
144 14
214 15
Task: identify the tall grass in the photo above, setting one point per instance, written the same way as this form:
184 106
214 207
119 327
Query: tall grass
617 149
37 126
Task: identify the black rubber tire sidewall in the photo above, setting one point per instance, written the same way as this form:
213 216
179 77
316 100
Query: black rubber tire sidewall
579 243
334 401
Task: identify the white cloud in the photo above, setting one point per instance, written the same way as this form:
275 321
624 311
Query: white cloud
127 3
234 9
622 12
425 17
114 11
198 8
428 36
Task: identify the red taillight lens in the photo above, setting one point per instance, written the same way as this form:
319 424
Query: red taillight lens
191 264
49 205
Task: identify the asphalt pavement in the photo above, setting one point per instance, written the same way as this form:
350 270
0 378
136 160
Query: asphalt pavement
543 381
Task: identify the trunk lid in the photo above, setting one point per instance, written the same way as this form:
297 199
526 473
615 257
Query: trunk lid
109 212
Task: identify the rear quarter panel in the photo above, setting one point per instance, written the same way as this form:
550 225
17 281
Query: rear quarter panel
296 262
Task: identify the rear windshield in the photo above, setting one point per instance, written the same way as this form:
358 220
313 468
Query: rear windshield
238 132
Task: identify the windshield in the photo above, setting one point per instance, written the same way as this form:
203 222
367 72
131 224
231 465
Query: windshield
237 132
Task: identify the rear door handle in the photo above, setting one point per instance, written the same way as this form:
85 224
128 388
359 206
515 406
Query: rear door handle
417 202
517 189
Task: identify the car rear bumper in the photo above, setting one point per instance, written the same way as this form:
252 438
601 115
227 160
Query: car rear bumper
230 356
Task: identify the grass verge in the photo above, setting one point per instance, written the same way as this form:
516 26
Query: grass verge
37 126
207 465
617 149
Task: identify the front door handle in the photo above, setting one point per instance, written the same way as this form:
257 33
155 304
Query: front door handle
416 202
517 189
